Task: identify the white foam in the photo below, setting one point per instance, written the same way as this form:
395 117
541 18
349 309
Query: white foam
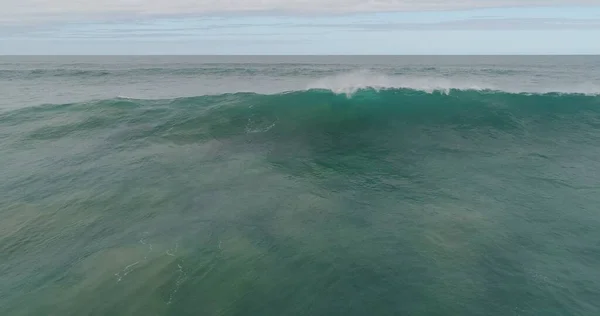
350 82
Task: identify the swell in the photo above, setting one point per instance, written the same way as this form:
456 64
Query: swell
452 97
304 113
345 79
153 71
242 69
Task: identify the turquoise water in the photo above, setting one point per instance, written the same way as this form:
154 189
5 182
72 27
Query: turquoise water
324 190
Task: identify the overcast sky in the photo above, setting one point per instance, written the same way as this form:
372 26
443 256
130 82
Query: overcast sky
300 27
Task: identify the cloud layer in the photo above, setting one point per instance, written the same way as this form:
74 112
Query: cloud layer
23 11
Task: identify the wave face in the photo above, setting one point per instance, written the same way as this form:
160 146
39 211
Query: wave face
356 108
337 199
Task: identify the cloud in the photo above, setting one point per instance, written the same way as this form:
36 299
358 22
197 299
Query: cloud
23 11
296 28
491 24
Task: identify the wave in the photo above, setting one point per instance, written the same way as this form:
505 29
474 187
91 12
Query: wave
346 80
377 93
369 121
153 71
245 112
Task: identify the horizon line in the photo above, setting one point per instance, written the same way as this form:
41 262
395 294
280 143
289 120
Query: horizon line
290 55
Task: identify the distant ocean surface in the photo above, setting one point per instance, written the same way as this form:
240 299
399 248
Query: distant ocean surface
322 185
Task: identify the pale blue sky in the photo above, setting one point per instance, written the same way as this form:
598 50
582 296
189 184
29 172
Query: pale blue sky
502 30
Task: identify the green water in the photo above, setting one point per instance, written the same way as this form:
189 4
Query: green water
397 202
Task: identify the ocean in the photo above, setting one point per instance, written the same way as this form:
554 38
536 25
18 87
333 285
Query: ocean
300 185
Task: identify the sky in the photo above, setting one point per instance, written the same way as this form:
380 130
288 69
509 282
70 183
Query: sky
299 27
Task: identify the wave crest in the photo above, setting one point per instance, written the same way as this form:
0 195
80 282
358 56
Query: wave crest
351 82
